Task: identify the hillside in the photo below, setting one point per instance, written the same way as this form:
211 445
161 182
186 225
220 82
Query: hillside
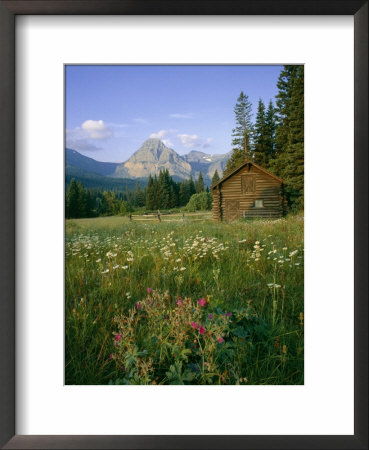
152 157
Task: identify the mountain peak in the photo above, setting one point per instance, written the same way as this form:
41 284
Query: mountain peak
151 157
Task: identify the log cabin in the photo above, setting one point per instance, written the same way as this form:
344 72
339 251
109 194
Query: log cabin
248 191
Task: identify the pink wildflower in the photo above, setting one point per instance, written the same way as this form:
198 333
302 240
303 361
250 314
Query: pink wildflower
202 301
201 330
228 314
194 325
118 337
220 340
179 302
138 306
149 290
210 316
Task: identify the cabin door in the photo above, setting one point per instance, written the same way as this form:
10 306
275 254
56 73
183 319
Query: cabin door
232 210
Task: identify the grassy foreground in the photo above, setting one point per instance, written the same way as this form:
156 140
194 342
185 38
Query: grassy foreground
184 301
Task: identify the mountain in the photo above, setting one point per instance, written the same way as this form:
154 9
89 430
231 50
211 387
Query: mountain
152 157
75 159
104 183
205 163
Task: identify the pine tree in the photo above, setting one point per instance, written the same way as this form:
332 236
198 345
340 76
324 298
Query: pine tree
164 189
215 178
191 186
242 134
289 161
270 124
199 185
128 195
139 196
184 193
150 194
260 139
72 200
82 201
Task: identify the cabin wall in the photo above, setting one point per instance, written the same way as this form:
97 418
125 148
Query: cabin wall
235 197
216 204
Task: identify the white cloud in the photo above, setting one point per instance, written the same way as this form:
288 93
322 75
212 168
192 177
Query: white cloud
190 140
161 134
96 129
207 143
181 116
85 136
193 140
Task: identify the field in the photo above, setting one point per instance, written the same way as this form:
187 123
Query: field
184 301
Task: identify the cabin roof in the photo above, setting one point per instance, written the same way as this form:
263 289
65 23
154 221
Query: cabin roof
241 167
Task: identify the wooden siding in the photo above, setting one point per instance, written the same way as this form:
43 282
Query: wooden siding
231 199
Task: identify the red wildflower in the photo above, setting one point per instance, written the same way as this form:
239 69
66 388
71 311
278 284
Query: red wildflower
149 290
202 301
201 330
118 337
194 325
138 306
220 340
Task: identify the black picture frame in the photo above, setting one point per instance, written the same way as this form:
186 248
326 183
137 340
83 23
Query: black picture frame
8 12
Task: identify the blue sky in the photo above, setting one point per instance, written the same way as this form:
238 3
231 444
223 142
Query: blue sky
112 110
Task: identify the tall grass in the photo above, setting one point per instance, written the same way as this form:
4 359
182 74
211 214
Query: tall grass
249 275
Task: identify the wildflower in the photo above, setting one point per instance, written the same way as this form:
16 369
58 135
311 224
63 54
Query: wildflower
194 325
149 290
220 340
201 330
105 271
118 337
116 267
182 269
125 267
138 306
202 301
228 314
130 259
98 260
179 302
210 316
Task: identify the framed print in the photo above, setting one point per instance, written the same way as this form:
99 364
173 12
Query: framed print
123 333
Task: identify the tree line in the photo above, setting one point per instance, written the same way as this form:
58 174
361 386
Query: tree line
275 140
162 192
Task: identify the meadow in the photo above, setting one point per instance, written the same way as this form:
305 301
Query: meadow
184 301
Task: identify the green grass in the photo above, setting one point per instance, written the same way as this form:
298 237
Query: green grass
243 268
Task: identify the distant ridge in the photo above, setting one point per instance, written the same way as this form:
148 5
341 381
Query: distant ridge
75 159
152 157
